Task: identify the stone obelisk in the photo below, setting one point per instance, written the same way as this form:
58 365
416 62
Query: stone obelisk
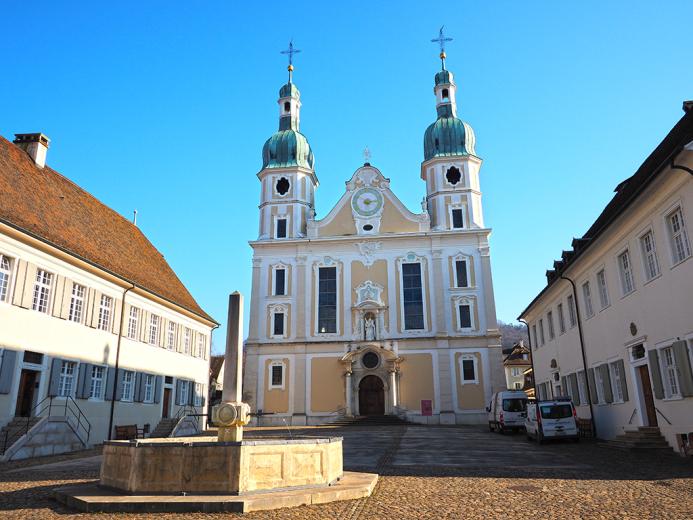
232 414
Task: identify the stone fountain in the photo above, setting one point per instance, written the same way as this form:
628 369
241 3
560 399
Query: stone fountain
225 473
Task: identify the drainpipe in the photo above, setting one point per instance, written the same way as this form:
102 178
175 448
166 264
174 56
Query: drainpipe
531 358
584 356
115 374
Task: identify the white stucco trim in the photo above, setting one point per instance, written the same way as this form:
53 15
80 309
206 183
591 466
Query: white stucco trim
485 365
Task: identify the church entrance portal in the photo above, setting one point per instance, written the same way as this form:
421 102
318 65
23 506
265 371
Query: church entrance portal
371 396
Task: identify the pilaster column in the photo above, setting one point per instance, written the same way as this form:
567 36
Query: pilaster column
347 380
300 295
256 300
393 389
438 293
490 307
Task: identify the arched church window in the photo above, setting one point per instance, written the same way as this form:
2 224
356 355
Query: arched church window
282 186
446 94
370 360
287 106
453 175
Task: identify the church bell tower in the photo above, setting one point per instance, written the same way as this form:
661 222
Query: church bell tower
450 167
287 175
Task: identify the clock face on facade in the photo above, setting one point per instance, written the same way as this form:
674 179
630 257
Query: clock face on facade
367 202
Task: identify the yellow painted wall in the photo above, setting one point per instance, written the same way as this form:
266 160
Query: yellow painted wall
470 396
341 224
416 380
393 221
327 392
277 400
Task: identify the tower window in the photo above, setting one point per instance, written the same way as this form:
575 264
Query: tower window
278 328
281 228
287 106
446 94
282 186
280 282
457 220
453 175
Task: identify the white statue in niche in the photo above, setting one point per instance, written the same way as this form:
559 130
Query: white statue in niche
370 328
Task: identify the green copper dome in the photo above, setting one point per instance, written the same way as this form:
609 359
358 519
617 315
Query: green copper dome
287 148
289 90
443 77
448 136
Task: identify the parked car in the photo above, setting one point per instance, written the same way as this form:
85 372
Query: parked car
554 419
507 411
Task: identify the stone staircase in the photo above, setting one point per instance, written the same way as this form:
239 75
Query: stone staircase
13 431
371 420
164 428
644 439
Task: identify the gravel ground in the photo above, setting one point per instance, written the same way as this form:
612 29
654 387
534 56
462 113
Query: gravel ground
432 472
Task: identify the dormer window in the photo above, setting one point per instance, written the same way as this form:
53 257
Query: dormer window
446 95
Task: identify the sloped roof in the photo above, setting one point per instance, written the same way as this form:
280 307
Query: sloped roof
44 204
215 364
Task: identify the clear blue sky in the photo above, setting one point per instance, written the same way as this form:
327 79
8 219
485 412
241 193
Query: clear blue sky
164 107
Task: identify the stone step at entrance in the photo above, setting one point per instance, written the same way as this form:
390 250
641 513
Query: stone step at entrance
13 431
369 420
644 439
164 428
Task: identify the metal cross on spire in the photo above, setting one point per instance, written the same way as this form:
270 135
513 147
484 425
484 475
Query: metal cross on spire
441 39
291 51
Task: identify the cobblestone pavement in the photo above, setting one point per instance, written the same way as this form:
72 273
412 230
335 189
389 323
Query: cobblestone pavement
431 472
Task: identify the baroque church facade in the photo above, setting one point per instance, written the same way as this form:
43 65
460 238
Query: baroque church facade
373 309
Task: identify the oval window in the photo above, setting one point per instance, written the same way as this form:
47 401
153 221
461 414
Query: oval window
370 360
368 227
282 186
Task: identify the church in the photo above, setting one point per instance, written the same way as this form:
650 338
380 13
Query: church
373 309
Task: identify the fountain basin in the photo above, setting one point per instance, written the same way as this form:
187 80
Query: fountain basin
202 465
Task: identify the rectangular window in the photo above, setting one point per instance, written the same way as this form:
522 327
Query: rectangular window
66 382
96 388
536 338
128 385
541 332
280 282
281 228
617 380
5 273
77 303
457 219
413 297
624 267
599 379
42 290
184 393
468 370
572 319
153 336
515 371
278 328
198 394
680 247
171 336
461 272
582 387
105 306
277 375
186 340
603 289
671 381
133 320
561 318
148 381
327 300
549 320
649 255
587 295
465 316
518 385
201 345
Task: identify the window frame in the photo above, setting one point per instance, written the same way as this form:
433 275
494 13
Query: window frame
617 379
171 335
201 345
43 286
625 272
284 218
475 361
599 384
452 212
667 371
270 381
455 271
582 386
587 297
76 311
685 242
198 394
650 259
561 318
131 386
422 289
603 289
187 340
328 264
465 302
133 322
275 273
572 312
105 313
92 379
6 281
542 337
149 382
154 326
549 321
64 376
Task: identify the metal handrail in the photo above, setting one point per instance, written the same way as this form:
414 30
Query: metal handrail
635 410
665 417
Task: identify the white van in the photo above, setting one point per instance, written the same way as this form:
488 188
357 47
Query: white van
507 411
553 419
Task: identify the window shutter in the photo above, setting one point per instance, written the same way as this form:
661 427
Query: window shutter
683 367
110 383
144 326
592 386
178 396
58 288
56 365
27 293
119 384
624 384
92 304
655 374
81 381
606 380
19 283
572 381
66 300
9 358
139 386
564 388
158 388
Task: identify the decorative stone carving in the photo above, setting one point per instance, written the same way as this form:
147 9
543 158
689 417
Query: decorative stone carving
369 292
368 251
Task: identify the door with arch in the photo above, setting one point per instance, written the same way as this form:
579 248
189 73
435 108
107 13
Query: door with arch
371 396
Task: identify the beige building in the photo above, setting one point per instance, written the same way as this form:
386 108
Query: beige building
89 311
515 365
620 340
372 309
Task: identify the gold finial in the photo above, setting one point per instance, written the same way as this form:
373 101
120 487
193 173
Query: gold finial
443 55
290 68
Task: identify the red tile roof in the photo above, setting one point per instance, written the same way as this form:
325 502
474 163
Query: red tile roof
43 203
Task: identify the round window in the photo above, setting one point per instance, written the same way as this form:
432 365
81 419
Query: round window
368 227
283 186
453 175
370 360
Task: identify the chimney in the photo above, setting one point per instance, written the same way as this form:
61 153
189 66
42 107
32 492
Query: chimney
36 145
